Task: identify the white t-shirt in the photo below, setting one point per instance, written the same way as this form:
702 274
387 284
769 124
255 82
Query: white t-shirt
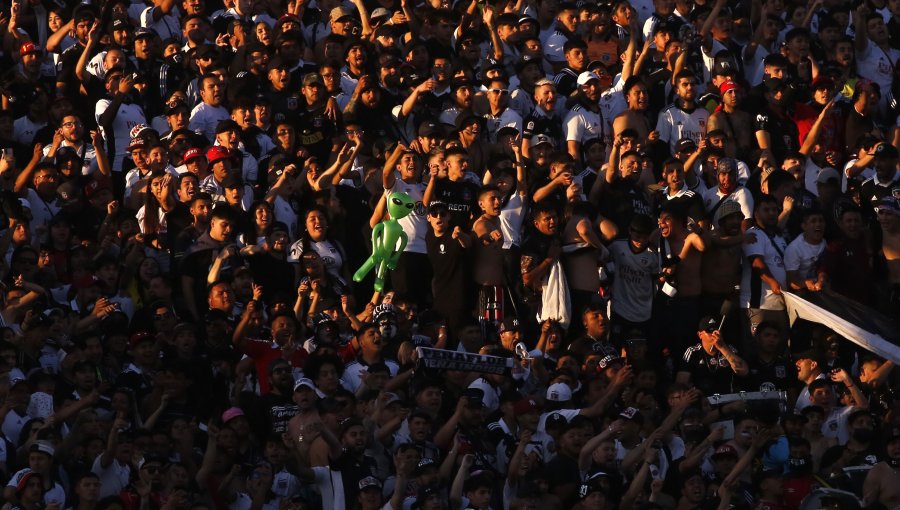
755 293
742 196
353 371
205 118
803 257
113 479
634 281
415 224
581 125
24 130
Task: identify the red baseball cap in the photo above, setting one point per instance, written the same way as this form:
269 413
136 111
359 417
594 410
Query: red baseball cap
217 153
29 48
192 153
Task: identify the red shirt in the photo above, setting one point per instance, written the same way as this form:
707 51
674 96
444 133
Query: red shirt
264 352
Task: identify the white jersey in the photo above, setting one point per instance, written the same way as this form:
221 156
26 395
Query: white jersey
876 64
511 218
713 197
581 125
755 293
675 123
634 281
415 224
507 118
119 135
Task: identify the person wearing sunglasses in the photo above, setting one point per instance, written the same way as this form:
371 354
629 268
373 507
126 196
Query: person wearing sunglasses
500 114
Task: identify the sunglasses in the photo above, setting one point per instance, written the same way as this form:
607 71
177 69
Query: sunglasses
438 214
499 91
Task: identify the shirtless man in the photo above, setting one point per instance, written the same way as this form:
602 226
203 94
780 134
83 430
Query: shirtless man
735 122
882 483
635 117
489 257
720 270
680 257
889 218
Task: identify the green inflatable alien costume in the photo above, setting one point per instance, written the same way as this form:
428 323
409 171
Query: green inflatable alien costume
386 249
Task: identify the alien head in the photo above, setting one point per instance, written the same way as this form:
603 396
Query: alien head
400 205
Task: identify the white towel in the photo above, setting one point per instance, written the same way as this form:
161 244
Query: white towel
555 301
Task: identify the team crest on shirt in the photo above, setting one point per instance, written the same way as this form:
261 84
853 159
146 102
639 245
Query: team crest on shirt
317 122
780 372
292 103
442 249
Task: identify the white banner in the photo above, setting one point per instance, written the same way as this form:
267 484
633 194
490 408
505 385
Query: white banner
863 335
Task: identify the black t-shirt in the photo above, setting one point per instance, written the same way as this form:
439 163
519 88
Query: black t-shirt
563 470
778 374
275 413
687 203
783 133
710 373
451 280
315 132
621 201
461 198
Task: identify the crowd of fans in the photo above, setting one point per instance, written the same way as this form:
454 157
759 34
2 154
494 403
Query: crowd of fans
612 197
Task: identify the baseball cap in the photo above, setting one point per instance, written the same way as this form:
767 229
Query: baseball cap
586 76
143 32
725 450
539 139
139 337
192 154
28 48
382 310
526 59
93 187
727 208
310 78
232 413
722 67
726 166
608 360
885 150
525 406
559 392
217 153
427 128
68 193
42 447
175 105
340 12
686 145
303 381
828 174
510 323
631 414
136 143
708 323
888 205
369 482
380 12
120 24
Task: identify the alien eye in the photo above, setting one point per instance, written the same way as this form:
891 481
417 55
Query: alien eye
409 206
396 201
